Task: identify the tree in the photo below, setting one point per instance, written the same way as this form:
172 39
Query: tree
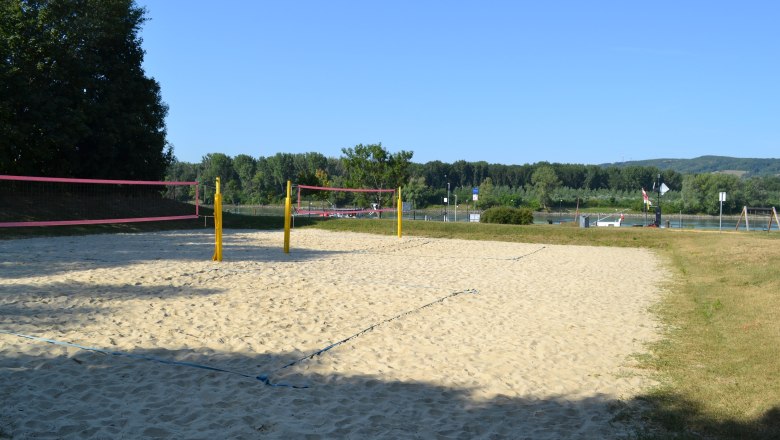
700 193
74 99
371 166
487 198
545 181
245 167
219 165
414 191
182 172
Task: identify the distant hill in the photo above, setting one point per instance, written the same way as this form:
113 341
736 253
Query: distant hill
742 167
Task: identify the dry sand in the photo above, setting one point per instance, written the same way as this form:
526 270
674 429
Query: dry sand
541 348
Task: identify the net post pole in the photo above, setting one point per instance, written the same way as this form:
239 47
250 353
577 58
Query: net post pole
197 198
400 212
217 224
287 215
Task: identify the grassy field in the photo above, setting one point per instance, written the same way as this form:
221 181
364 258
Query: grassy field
719 360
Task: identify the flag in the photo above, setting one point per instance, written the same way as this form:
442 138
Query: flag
663 189
644 196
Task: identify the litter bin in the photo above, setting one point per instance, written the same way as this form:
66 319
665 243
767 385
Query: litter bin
584 221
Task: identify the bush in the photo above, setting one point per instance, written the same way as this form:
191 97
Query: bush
507 216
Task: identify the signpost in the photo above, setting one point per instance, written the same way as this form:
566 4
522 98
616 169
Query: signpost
474 197
721 198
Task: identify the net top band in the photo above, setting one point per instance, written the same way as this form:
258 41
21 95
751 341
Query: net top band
96 181
323 188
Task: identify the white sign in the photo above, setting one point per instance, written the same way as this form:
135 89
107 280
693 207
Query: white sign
722 196
474 218
445 200
475 197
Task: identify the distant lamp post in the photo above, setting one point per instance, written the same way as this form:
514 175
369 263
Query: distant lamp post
446 210
456 208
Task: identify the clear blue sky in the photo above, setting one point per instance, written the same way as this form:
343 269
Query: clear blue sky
508 82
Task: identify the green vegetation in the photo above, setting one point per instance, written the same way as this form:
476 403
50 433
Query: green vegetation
506 215
744 167
75 100
719 360
546 186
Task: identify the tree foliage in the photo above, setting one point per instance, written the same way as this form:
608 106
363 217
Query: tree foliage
545 181
372 166
74 99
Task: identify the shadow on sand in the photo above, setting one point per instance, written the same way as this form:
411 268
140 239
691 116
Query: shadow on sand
70 393
53 255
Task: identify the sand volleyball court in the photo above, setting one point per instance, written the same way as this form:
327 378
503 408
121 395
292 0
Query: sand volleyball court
442 338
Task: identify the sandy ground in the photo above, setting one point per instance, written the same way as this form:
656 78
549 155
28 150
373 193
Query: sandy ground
442 338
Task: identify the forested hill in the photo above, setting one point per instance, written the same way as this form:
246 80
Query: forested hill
743 167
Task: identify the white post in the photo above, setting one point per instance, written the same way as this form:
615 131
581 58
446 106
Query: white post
448 202
456 208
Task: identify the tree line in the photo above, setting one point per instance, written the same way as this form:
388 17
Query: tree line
539 186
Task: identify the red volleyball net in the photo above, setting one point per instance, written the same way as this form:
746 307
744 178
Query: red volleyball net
344 202
54 201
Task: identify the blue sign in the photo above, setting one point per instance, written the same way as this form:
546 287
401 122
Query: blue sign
475 190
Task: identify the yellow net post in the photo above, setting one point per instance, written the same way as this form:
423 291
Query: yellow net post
400 212
217 224
287 217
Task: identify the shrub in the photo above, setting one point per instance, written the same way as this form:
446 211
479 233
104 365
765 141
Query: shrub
507 216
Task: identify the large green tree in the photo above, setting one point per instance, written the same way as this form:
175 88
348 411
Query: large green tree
545 181
74 98
371 166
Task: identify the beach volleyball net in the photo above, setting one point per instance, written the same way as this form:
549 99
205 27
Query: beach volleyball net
344 202
52 201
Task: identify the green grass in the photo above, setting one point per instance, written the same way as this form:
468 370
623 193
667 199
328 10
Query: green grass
719 360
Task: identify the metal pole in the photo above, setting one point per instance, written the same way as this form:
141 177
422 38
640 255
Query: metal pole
660 212
448 201
287 217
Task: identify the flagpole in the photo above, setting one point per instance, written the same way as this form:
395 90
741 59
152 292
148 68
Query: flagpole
658 217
